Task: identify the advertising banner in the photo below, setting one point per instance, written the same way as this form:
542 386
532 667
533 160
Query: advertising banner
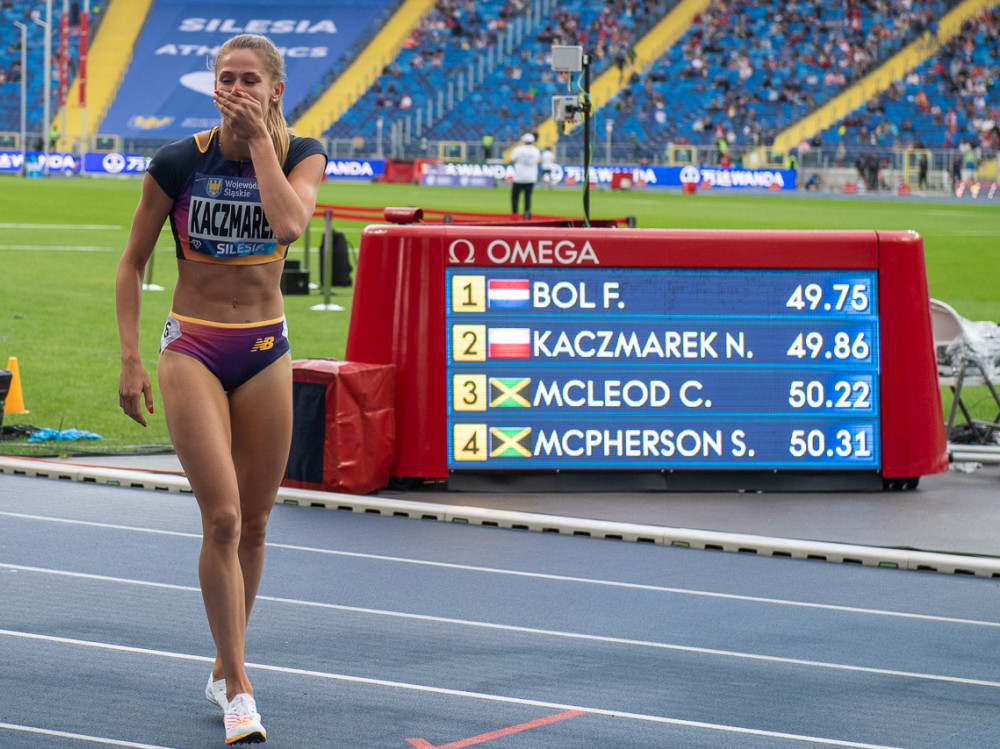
366 170
439 179
641 176
167 91
33 162
115 163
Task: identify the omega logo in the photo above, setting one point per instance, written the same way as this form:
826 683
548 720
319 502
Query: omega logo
531 252
470 252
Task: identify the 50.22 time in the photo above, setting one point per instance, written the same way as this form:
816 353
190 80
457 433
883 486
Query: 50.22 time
844 394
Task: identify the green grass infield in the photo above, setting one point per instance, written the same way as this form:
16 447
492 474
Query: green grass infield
60 240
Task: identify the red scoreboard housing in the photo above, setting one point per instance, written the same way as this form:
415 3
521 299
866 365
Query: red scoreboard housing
401 304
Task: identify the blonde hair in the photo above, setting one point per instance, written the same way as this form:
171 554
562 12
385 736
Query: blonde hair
275 67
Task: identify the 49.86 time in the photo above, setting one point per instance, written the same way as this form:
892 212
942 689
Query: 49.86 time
813 346
844 443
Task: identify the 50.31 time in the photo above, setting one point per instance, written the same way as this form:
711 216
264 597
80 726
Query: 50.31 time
844 443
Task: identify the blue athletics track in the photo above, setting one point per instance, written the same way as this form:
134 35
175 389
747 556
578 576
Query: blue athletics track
434 620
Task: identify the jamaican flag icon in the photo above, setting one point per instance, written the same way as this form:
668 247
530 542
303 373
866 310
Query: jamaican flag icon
510 442
510 392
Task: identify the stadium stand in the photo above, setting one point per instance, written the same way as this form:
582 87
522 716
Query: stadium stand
745 71
107 61
341 86
438 50
472 69
32 15
944 103
837 77
168 84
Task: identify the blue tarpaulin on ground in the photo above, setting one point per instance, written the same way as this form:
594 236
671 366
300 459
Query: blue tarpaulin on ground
62 435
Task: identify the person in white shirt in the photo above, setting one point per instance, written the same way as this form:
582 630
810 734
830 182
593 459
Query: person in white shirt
548 164
525 159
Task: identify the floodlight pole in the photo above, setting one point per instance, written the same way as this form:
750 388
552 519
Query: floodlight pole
47 88
47 83
586 141
82 73
24 90
63 68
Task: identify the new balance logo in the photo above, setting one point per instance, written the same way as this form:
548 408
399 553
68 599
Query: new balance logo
263 344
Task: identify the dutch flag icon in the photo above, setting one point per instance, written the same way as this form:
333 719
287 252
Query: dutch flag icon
508 293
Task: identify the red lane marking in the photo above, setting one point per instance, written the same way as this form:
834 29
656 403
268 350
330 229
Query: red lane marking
484 737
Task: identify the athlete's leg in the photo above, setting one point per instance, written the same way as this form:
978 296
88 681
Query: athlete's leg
261 421
261 418
198 417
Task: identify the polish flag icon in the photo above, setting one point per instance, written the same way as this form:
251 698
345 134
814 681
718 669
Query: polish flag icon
509 343
508 293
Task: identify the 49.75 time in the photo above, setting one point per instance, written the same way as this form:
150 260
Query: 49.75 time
843 297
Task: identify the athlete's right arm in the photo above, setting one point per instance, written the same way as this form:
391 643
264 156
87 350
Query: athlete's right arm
134 384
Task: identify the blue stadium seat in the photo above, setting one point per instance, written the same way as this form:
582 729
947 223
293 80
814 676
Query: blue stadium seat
522 103
950 112
761 101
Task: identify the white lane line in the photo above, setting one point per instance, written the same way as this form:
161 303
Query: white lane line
454 692
59 247
79 737
82 227
833 552
646 587
535 631
541 575
94 524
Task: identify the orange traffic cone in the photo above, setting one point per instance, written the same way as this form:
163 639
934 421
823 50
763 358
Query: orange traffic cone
15 398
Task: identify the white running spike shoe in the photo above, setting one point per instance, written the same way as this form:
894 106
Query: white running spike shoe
215 692
243 721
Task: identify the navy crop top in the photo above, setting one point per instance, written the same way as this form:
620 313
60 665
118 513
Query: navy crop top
217 215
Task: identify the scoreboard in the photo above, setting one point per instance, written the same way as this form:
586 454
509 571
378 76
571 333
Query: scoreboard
701 359
658 368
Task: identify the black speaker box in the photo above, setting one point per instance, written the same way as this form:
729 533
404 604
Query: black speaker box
294 281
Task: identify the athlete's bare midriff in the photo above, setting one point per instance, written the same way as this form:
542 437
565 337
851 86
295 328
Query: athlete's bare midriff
235 294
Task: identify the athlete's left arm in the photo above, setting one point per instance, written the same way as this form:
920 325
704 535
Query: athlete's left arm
289 201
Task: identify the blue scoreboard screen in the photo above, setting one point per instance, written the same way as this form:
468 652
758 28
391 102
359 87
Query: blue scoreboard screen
662 368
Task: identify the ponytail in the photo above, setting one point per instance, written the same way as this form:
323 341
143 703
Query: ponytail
279 130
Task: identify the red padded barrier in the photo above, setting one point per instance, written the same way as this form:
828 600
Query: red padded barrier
400 172
344 429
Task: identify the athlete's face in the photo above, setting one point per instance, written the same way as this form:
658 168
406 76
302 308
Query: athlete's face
244 69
